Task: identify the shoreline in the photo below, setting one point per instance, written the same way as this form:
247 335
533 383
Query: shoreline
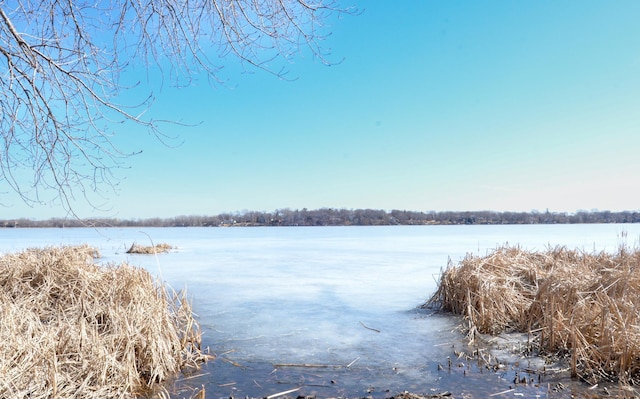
338 217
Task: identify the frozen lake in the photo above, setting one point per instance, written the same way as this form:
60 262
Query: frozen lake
268 298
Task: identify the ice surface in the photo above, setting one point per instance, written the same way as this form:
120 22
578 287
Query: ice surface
333 296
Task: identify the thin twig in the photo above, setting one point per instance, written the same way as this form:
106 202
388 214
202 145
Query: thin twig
307 365
369 328
275 395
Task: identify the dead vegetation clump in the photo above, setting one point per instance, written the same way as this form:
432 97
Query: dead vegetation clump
149 249
71 328
583 307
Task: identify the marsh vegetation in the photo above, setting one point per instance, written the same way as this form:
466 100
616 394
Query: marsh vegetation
149 249
578 306
72 328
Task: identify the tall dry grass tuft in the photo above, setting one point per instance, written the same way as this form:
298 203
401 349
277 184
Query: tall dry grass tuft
149 249
582 306
71 328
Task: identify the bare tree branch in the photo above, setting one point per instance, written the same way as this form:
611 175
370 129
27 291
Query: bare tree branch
60 68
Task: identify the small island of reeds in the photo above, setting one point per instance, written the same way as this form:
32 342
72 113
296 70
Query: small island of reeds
149 249
581 307
73 328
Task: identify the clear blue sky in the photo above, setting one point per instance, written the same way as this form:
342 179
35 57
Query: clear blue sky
437 105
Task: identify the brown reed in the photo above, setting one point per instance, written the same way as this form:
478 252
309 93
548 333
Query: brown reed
584 307
72 328
149 249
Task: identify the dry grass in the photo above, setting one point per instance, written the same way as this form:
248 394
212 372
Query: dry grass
71 328
149 249
585 307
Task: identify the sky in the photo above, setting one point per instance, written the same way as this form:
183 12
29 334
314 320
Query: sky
430 105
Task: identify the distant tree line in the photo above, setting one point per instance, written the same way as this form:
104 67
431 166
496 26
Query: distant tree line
343 217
